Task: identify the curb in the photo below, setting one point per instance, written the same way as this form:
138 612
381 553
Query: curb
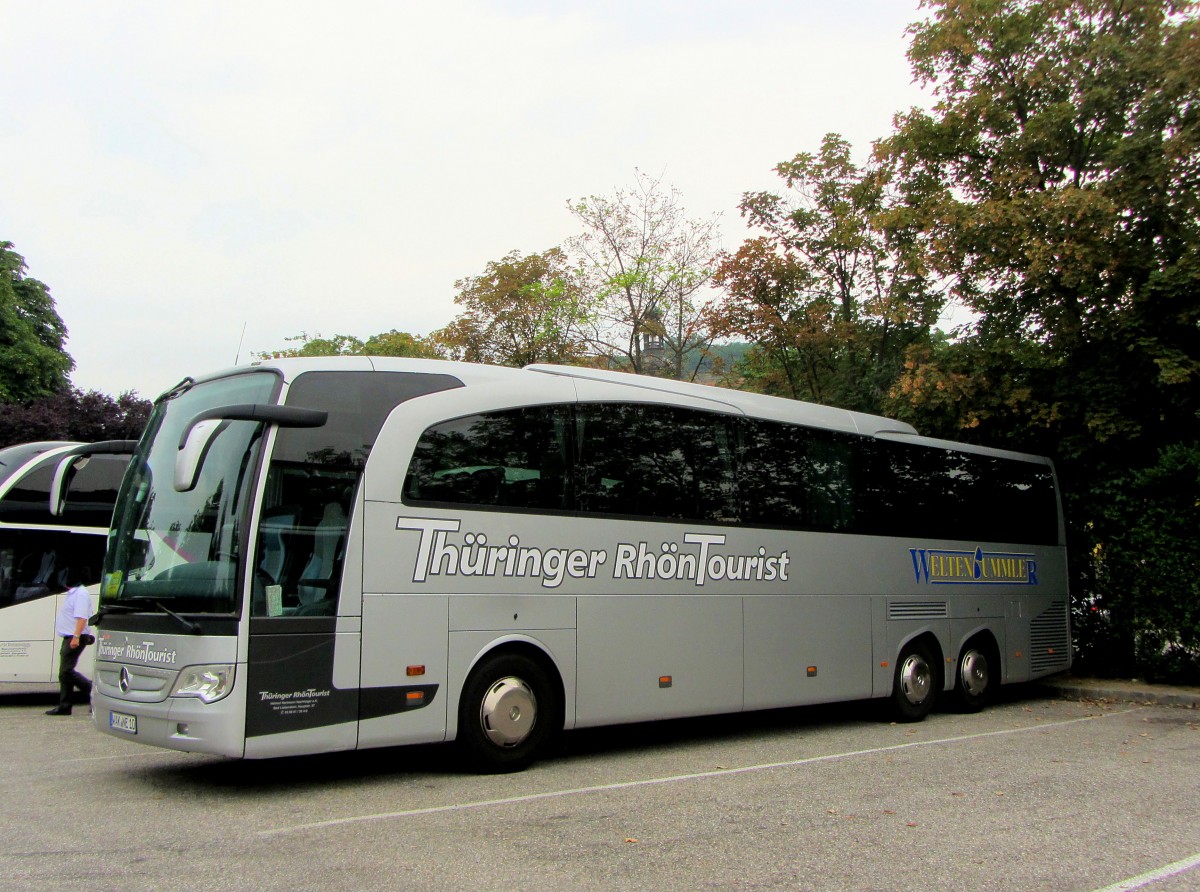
1164 695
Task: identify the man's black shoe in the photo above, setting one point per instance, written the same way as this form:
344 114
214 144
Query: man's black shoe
59 710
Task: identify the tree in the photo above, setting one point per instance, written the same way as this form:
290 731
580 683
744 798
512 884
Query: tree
72 414
33 360
1055 186
521 310
389 343
645 264
401 343
830 304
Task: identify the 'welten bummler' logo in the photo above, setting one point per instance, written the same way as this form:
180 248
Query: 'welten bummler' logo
939 567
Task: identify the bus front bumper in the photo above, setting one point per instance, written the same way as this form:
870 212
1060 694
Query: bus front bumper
177 723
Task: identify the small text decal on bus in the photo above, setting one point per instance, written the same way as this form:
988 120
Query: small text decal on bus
978 567
695 559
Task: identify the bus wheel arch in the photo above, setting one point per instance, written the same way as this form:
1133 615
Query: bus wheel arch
917 679
511 708
977 672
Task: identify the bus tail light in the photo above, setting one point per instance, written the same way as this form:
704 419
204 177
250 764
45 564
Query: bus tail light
208 683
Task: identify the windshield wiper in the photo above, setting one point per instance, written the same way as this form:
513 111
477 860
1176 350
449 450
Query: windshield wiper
126 607
106 609
191 627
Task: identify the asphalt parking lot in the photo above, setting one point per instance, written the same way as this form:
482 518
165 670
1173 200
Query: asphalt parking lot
1035 793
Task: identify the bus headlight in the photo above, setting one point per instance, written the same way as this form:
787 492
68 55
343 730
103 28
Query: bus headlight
209 683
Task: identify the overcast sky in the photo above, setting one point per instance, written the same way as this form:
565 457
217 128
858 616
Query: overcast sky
178 173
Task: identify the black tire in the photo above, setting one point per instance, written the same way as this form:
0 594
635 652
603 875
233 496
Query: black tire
510 712
915 683
976 677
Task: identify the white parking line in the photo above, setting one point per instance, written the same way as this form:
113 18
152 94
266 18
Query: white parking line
121 756
671 779
1153 876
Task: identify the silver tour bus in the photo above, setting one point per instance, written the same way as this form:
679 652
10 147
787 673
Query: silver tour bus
311 555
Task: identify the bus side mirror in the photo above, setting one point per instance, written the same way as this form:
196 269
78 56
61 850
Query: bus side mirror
204 428
62 479
194 448
78 458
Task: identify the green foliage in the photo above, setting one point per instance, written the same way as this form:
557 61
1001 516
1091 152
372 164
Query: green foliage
72 414
979 389
1148 590
521 310
831 306
722 362
33 360
390 343
401 343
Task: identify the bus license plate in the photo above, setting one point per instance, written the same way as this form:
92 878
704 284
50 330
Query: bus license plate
118 721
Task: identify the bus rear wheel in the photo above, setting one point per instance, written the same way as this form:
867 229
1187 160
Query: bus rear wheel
915 683
509 713
976 680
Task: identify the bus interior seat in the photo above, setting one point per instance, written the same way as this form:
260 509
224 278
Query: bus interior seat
273 546
35 575
323 564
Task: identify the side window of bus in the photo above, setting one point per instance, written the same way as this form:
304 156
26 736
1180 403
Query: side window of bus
36 563
946 494
921 491
302 541
1024 506
515 458
28 500
651 460
93 490
794 476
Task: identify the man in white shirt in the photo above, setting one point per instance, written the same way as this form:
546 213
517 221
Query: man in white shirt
71 625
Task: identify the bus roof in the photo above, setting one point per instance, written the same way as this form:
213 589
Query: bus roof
752 404
756 405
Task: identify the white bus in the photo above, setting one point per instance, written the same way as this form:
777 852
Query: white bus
38 546
313 555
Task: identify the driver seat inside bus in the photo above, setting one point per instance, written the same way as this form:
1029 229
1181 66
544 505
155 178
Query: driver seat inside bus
317 585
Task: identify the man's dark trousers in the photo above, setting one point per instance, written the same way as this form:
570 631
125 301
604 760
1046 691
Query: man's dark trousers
68 676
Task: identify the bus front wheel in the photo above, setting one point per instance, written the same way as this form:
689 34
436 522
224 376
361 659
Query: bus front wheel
509 713
915 683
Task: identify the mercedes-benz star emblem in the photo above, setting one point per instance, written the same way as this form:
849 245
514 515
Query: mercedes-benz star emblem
124 680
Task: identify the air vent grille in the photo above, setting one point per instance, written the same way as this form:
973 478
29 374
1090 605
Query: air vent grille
918 610
1050 639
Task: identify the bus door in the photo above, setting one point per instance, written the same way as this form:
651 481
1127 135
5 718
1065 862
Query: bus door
306 596
302 659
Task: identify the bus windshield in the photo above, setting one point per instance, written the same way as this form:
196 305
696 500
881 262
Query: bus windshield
182 550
